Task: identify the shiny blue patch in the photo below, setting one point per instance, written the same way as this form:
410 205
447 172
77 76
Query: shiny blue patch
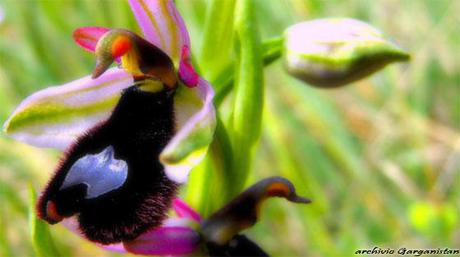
100 172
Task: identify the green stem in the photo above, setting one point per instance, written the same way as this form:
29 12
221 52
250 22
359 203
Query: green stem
272 50
221 151
249 93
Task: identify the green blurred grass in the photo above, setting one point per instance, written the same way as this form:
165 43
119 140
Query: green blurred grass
379 158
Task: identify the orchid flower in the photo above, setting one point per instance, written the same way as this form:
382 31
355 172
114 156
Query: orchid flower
55 117
218 235
131 134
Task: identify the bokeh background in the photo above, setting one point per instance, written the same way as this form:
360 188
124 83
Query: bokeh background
380 158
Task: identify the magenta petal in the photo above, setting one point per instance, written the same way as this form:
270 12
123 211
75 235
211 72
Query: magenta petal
162 25
184 211
87 37
187 73
165 241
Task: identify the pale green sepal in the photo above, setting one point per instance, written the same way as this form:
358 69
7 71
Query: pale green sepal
196 122
333 52
56 116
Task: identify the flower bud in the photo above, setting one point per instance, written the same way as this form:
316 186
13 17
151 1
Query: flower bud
333 52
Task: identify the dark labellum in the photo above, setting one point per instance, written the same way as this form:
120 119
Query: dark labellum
240 245
112 177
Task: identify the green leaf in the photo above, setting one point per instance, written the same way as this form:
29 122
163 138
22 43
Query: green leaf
39 230
337 51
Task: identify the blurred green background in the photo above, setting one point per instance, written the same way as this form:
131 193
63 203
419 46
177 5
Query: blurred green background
380 158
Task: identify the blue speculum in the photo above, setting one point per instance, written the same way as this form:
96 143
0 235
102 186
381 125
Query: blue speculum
101 173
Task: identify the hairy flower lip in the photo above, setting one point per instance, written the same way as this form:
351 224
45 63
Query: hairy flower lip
177 236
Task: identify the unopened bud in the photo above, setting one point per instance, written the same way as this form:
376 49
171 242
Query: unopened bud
333 52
